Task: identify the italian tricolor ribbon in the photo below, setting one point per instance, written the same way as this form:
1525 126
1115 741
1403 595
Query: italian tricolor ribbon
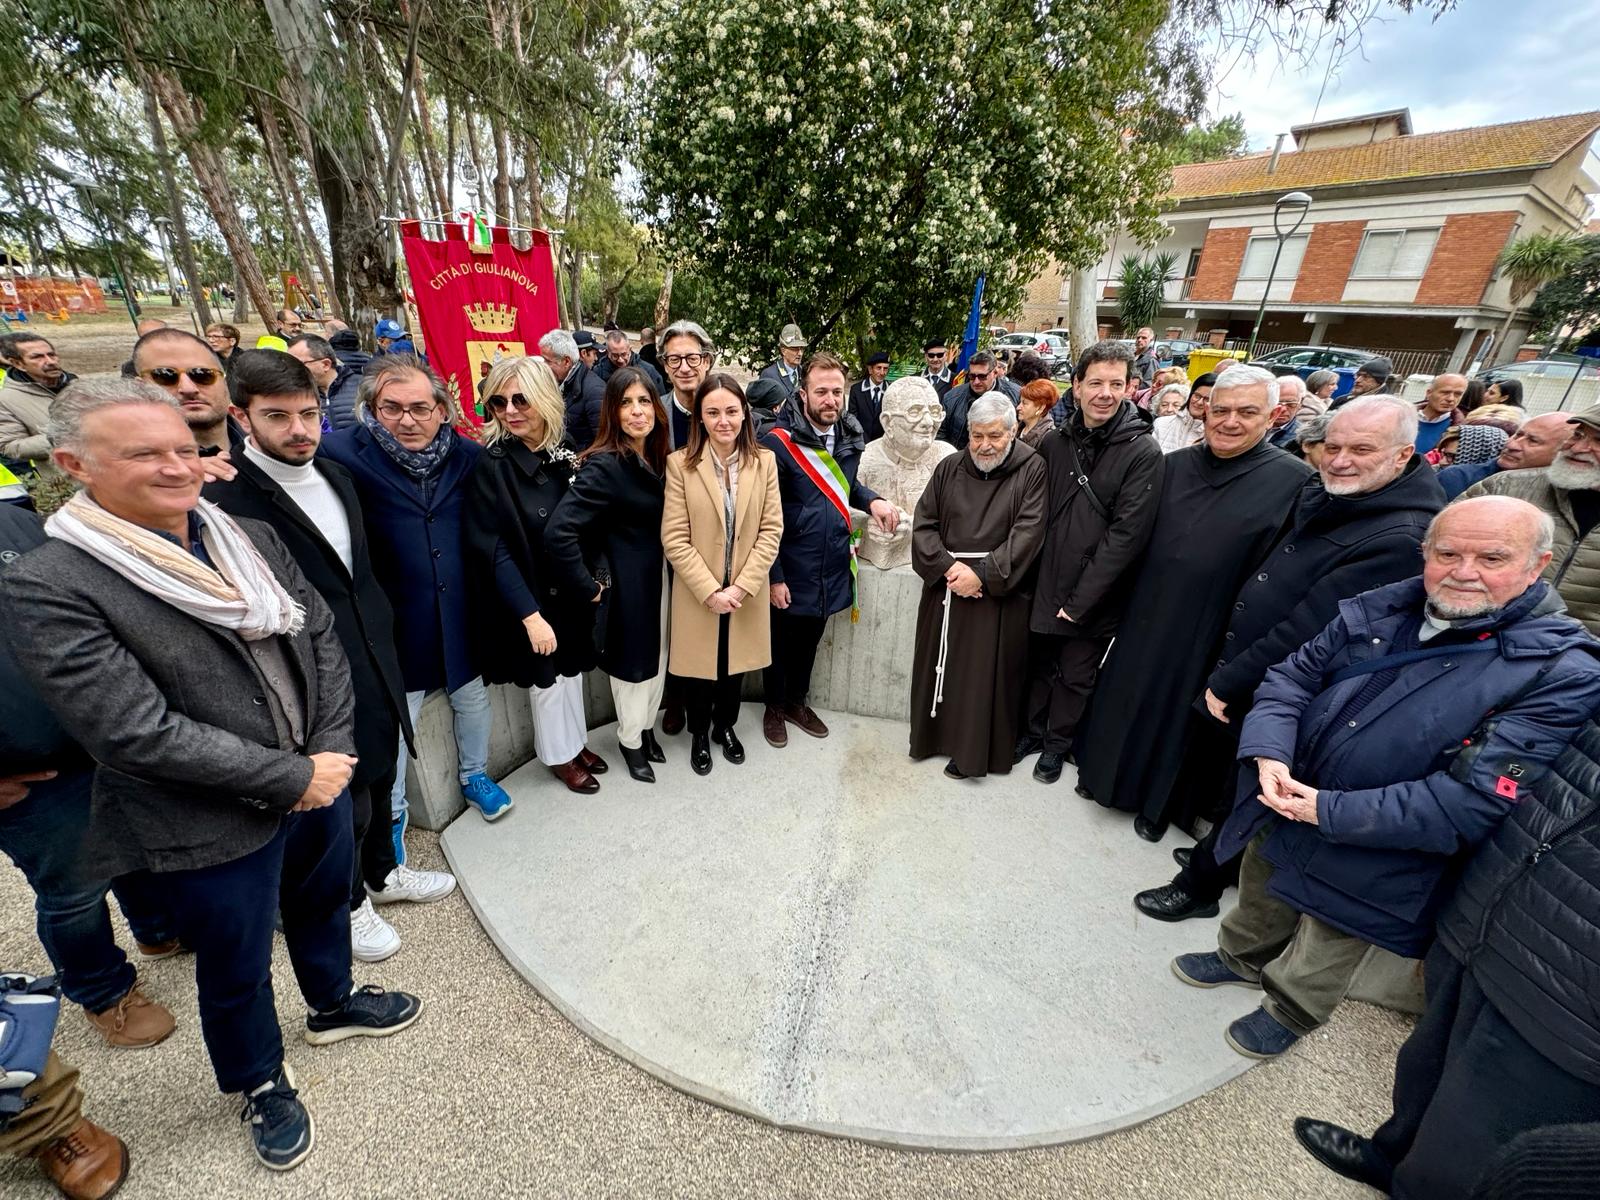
480 236
817 465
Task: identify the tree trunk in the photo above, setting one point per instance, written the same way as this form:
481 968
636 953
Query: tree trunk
211 177
476 158
1498 350
272 137
449 153
241 302
534 185
294 242
575 284
664 301
502 169
180 224
1082 321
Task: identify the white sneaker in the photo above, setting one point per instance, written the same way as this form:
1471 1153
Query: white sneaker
372 939
408 883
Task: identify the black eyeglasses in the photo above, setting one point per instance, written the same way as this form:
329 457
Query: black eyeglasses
168 377
498 403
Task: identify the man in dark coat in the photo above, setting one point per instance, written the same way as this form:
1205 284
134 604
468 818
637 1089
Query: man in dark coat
1510 1041
936 368
975 538
818 448
619 353
785 369
866 397
983 376
1354 821
1372 379
767 402
1223 503
311 504
1356 526
1104 473
337 381
411 469
346 346
581 389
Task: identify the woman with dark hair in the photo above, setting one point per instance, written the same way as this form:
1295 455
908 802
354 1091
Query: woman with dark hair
604 539
1504 391
721 526
1473 397
535 635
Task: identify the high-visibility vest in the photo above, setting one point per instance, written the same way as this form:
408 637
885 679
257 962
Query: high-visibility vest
11 488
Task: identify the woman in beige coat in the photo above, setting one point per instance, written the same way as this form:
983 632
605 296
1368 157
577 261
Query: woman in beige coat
720 530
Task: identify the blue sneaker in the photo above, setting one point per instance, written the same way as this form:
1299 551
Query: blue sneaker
1260 1035
398 827
369 1011
487 796
280 1127
1208 971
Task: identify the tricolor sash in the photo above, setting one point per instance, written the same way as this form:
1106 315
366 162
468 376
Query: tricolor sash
817 465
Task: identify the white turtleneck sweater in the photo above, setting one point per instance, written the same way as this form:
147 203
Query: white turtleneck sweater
313 494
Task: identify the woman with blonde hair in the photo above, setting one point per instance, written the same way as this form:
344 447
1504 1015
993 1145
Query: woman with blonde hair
720 528
534 634
1187 426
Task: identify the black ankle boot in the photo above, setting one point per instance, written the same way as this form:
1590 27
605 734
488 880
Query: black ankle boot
732 748
700 753
652 748
638 765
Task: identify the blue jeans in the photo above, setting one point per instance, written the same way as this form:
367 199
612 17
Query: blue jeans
225 913
470 705
43 834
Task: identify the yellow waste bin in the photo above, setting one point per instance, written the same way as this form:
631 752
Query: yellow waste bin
1204 358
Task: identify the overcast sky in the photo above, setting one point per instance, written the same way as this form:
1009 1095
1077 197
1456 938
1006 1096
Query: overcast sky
1485 62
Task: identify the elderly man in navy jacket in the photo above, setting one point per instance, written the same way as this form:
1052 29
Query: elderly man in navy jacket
1386 748
818 447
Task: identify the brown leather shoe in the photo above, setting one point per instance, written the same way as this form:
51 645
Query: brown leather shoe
87 1164
133 1022
164 949
803 716
576 777
772 726
591 762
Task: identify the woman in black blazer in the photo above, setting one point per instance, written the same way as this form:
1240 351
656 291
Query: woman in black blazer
605 540
536 634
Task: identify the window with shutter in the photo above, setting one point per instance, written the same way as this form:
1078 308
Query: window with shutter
1395 254
1258 257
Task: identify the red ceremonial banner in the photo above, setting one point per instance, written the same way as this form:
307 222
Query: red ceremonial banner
477 307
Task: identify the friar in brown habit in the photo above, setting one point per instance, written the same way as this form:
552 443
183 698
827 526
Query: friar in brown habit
975 540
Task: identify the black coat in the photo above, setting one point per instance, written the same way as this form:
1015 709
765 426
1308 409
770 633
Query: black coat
1087 567
941 383
362 617
603 369
1525 919
814 556
31 739
1338 546
957 401
417 556
511 496
866 408
584 392
609 524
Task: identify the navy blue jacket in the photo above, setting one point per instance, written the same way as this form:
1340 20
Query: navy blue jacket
603 369
31 739
583 392
341 399
418 556
1396 804
814 555
1456 479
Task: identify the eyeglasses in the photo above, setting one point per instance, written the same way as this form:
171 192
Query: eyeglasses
168 377
417 412
674 361
282 420
933 353
975 377
499 403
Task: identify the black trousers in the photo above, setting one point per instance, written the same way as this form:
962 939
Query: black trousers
714 703
1465 1084
1205 878
225 914
794 652
374 840
1061 675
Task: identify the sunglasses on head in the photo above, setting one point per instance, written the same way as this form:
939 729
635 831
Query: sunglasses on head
169 376
498 403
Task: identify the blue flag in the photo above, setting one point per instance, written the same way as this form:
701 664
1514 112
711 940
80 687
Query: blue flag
969 340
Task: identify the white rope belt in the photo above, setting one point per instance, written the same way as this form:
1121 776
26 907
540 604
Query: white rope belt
944 634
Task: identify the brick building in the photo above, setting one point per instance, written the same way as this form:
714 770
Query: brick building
1398 250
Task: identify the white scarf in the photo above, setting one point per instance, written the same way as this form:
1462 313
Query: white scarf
242 594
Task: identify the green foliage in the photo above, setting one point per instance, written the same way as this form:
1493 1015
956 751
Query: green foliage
1571 302
1141 288
854 166
1537 258
1208 142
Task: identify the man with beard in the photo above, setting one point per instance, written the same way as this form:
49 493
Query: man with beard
190 371
1384 750
818 448
1532 446
1223 504
1568 490
1357 526
1372 377
977 532
33 378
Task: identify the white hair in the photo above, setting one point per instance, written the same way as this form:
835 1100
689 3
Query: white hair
64 425
1403 412
558 343
1294 381
686 329
992 406
1246 376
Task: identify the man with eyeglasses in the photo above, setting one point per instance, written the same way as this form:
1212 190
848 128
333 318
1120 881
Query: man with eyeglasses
337 382
33 378
937 371
411 469
619 353
581 389
189 369
983 375
688 356
311 503
288 323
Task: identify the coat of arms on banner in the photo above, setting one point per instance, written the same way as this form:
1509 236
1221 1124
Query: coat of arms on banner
492 319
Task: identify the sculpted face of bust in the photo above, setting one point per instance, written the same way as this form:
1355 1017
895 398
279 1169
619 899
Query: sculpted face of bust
911 416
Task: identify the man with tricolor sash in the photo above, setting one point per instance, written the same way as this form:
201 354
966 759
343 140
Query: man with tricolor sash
818 448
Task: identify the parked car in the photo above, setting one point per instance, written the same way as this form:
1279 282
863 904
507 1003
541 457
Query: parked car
1302 360
1051 347
1176 350
1535 369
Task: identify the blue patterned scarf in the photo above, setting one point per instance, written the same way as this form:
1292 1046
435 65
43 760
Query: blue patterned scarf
423 466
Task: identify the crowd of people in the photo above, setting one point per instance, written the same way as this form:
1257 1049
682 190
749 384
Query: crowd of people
1339 639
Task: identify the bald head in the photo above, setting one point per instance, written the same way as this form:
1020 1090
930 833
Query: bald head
1536 442
1481 554
1444 396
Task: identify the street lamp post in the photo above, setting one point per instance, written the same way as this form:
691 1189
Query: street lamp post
86 187
1298 204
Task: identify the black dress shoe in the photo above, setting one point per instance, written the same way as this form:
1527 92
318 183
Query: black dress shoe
1182 854
700 753
1344 1153
1169 902
1048 768
951 771
1083 791
1150 831
638 765
652 748
1024 748
732 747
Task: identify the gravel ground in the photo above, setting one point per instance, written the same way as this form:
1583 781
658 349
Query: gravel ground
493 1093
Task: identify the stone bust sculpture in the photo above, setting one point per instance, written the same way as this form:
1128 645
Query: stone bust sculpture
899 464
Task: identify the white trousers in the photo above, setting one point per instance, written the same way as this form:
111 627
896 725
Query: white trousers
559 728
637 703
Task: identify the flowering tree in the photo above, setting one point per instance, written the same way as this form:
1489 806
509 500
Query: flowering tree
853 165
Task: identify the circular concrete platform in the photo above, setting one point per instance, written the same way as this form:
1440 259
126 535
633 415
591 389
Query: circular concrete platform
831 937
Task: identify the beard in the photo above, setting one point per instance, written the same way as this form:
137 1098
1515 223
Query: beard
1573 475
1461 612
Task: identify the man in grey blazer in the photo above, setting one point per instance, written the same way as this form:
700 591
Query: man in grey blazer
188 655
